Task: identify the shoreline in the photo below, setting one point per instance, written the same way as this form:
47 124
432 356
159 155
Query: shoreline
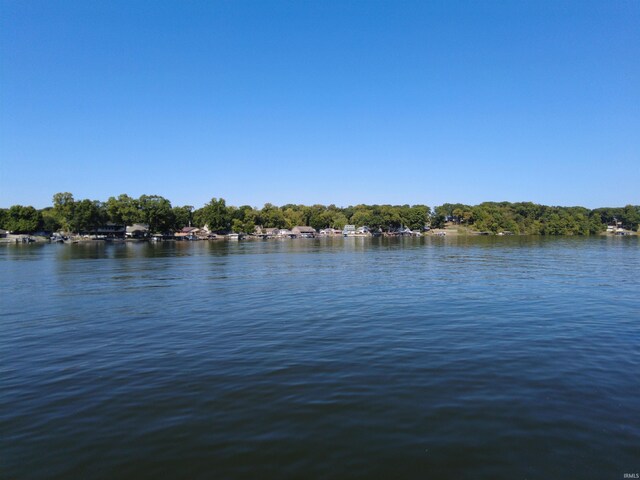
25 239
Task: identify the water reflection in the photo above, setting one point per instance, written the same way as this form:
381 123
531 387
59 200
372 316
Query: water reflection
349 355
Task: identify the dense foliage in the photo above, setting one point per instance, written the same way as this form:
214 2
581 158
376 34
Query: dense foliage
530 218
86 216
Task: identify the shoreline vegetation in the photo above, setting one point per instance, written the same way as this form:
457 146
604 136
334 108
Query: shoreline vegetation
153 216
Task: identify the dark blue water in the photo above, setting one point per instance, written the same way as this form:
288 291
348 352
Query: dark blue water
497 358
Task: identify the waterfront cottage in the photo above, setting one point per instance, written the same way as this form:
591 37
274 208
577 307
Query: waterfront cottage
349 230
303 231
189 232
186 231
329 232
284 233
138 230
265 232
109 230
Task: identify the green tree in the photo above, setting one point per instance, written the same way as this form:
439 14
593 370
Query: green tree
63 207
249 219
182 217
156 212
4 218
244 219
361 216
124 210
88 215
272 217
293 218
237 226
631 217
317 216
595 224
50 222
21 219
215 215
417 217
438 220
338 220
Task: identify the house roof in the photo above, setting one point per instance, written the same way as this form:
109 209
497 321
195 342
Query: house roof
303 229
137 227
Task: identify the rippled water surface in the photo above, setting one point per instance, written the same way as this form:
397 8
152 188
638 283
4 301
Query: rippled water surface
443 358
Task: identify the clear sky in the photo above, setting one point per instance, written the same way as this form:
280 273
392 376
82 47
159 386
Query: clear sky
340 102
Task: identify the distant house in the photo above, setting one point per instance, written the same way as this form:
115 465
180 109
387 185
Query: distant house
616 228
3 233
349 230
329 232
304 232
262 232
110 230
284 233
138 230
188 232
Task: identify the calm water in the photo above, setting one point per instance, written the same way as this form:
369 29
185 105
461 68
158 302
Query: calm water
443 358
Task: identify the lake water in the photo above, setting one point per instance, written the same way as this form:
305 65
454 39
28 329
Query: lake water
441 358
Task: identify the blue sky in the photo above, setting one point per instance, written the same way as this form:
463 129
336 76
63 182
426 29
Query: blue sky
339 102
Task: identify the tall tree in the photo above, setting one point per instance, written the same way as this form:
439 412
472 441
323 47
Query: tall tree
21 219
124 210
4 218
417 217
293 217
63 206
272 217
88 215
215 215
156 212
50 222
183 216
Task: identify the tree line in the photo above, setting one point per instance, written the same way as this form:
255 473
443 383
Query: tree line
85 216
526 218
